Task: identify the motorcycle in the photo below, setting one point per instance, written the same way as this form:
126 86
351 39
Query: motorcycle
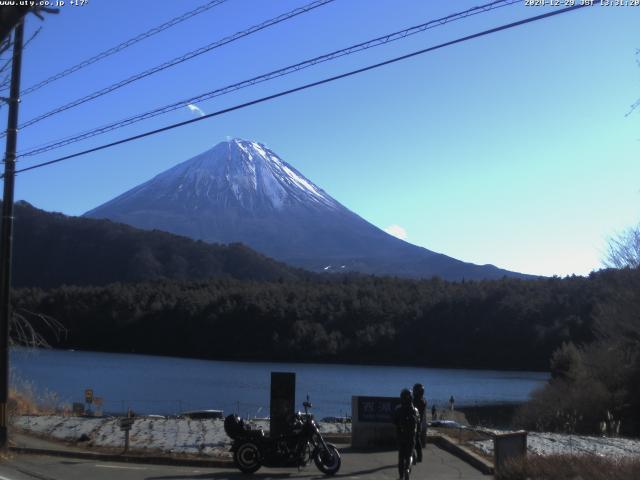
252 449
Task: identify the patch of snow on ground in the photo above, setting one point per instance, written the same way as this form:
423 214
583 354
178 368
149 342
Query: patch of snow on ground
173 435
557 443
62 428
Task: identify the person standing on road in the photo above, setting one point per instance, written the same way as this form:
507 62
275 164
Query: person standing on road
405 418
420 404
451 402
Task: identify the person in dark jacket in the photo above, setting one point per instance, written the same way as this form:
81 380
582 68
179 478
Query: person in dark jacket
405 418
421 405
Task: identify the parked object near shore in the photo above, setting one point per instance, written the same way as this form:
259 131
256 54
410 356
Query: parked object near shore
297 447
204 415
445 424
337 419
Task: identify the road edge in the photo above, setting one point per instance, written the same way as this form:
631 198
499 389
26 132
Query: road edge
447 443
147 459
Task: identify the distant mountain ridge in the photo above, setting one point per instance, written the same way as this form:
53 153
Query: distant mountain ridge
52 249
241 191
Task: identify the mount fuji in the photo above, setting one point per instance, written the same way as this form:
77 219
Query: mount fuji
241 191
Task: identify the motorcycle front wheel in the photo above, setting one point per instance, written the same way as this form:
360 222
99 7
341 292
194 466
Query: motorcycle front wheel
328 461
247 457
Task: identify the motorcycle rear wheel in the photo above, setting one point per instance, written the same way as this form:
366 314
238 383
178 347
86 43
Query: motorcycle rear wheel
247 457
328 462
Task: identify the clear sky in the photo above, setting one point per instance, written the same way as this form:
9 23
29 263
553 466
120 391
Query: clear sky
512 149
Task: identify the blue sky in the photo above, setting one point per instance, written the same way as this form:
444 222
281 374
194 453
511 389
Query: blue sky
512 149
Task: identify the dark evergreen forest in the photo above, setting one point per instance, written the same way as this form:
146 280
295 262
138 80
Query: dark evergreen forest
502 324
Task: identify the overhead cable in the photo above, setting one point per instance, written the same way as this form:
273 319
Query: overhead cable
382 40
123 45
307 86
178 60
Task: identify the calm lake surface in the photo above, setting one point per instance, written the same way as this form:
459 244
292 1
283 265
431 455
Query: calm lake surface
166 385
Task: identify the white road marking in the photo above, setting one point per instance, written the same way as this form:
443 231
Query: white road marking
5 478
122 468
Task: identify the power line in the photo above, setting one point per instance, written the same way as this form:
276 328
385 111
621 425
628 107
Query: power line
391 37
5 83
178 60
123 45
307 86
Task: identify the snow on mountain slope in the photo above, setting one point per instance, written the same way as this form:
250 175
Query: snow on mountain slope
241 191
238 172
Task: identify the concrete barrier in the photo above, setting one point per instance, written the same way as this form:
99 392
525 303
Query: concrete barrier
450 445
507 446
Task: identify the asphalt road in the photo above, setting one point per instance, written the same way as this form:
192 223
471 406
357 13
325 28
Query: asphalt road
437 465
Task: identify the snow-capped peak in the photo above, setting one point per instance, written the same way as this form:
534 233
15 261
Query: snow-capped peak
253 149
268 175
241 172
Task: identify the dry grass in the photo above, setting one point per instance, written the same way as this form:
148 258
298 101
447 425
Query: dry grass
25 399
21 403
570 467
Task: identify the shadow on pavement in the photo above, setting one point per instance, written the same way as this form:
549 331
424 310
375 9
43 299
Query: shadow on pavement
351 449
234 475
226 476
364 472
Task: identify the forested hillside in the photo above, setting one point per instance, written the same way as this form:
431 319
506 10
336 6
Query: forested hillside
503 324
596 386
52 249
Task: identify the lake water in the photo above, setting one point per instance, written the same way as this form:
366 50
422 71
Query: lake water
167 385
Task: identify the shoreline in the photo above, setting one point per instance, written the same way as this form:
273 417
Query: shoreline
284 361
497 415
187 384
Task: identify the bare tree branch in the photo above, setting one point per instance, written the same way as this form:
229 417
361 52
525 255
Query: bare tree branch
29 328
624 249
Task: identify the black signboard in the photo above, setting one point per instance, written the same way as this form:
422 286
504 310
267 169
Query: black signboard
377 409
283 400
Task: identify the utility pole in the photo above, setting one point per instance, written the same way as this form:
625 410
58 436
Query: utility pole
6 233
